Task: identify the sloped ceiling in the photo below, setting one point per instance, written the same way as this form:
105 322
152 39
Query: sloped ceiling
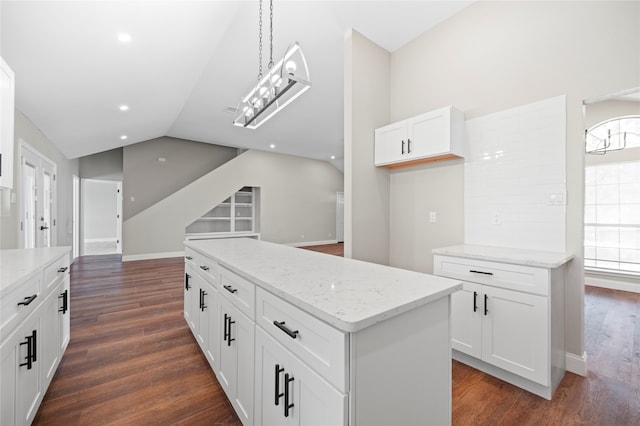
186 64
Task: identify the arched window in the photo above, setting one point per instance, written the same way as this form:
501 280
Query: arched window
614 134
612 198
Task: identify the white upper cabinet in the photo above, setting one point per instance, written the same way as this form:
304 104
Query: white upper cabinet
436 135
7 93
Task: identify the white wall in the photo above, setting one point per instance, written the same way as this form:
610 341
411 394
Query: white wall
493 56
366 188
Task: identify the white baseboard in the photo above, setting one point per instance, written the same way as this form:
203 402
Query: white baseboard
577 364
149 256
312 243
612 284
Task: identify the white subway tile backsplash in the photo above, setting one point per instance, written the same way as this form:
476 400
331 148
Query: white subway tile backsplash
515 178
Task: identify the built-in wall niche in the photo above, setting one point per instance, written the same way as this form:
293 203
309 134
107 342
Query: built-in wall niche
515 178
234 215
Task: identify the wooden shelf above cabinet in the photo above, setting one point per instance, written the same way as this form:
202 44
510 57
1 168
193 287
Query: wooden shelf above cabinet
417 162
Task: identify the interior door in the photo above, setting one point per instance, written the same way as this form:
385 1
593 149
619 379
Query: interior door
38 178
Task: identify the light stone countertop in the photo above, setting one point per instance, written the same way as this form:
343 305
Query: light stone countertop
542 259
348 294
17 265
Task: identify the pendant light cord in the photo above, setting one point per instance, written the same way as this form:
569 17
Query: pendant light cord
271 34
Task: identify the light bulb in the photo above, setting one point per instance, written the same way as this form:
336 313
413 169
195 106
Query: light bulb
263 91
291 67
276 80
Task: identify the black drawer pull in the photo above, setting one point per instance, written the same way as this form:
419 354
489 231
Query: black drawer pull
290 333
28 300
64 269
187 277
188 257
204 267
230 289
486 310
480 272
475 301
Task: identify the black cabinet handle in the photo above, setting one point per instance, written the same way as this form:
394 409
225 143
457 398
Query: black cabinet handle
63 269
187 277
203 305
402 149
230 289
31 350
480 272
28 300
226 332
291 333
65 301
42 228
277 393
230 339
204 267
408 146
475 301
287 406
188 257
227 329
486 310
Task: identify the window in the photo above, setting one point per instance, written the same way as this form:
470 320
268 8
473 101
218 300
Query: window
612 207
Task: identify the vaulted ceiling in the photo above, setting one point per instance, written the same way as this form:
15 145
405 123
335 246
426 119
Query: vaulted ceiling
187 64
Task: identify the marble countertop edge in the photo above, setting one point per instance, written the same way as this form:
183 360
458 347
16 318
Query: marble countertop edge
537 258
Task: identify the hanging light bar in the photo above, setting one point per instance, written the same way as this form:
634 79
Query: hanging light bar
286 81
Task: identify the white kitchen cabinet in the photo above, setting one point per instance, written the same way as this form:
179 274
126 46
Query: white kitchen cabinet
436 135
34 294
508 320
288 392
7 94
237 359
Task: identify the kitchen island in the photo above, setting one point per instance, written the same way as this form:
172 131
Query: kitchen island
304 337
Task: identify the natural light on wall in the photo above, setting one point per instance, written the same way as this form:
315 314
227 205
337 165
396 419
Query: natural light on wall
612 202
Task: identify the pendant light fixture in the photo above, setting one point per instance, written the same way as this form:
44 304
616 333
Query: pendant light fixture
284 81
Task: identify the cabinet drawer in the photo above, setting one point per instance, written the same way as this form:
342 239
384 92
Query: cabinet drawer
240 292
316 343
505 275
58 269
17 304
190 257
209 270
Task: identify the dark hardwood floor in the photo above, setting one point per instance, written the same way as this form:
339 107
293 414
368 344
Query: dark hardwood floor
133 361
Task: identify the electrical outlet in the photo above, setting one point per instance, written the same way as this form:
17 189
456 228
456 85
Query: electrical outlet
433 217
497 218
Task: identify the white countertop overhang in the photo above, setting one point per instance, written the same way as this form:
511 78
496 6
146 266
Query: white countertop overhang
348 294
17 264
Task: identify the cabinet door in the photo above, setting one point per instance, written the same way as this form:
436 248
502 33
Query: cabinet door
209 331
515 331
290 393
50 335
391 143
28 385
429 134
466 319
191 293
64 314
236 359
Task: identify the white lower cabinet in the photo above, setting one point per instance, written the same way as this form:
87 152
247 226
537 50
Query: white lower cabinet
289 393
21 373
502 327
508 316
237 359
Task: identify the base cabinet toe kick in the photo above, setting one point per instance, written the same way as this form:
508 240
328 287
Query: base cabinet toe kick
284 360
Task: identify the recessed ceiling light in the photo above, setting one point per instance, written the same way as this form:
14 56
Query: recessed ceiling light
333 157
123 137
272 146
124 107
124 38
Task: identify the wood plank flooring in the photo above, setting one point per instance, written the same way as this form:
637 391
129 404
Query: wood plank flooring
133 361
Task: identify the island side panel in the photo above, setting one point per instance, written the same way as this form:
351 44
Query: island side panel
401 369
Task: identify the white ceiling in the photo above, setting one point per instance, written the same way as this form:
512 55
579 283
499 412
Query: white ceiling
187 62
